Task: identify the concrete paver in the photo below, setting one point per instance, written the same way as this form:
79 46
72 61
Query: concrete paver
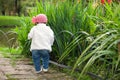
22 70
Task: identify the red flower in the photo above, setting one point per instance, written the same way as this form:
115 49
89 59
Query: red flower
103 1
109 1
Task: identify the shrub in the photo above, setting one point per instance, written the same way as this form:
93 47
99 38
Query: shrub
10 21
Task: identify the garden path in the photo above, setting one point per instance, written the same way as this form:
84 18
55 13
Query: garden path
21 69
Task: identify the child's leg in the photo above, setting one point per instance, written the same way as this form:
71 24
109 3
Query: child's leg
36 59
45 59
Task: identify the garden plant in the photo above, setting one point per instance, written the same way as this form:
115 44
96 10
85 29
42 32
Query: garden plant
86 36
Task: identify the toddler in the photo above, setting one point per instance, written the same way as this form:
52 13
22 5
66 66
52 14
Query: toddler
42 38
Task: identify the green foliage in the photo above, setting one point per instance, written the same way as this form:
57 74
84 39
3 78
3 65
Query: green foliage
90 56
66 19
22 34
10 21
7 38
85 37
6 5
13 53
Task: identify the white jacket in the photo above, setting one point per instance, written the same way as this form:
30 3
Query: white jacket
42 37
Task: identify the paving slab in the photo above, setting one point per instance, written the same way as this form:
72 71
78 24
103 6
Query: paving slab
21 69
2 75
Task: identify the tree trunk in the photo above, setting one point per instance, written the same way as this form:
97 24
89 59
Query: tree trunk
3 9
3 12
19 7
16 4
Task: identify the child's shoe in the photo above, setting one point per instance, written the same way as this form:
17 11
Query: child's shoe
38 72
45 70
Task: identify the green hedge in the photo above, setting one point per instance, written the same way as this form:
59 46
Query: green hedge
10 21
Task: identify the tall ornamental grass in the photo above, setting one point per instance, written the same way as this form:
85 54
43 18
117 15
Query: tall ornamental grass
22 36
85 36
67 19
